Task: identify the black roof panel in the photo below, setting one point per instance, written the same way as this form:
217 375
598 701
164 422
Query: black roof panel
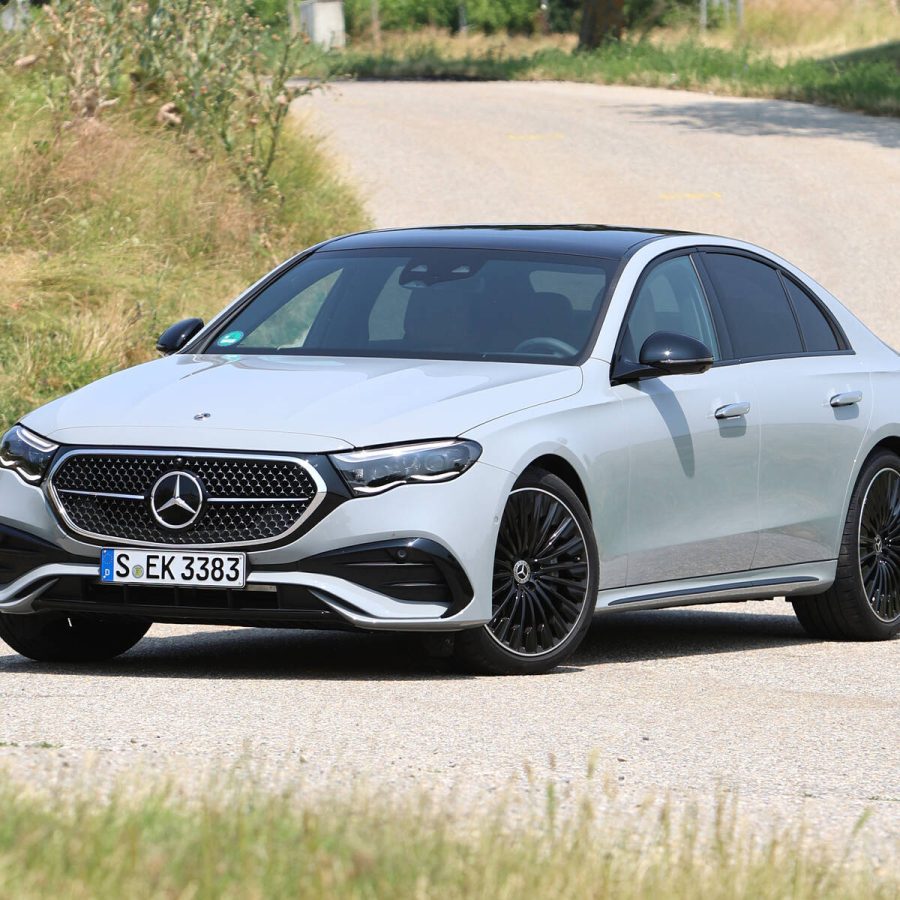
583 240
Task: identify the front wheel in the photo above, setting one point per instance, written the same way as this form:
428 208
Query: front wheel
544 586
57 637
863 604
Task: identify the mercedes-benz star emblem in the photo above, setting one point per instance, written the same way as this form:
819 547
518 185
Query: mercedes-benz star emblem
522 572
177 499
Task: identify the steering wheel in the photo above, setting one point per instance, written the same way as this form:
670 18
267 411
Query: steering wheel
554 345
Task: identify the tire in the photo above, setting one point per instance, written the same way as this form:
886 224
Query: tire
863 604
546 572
57 637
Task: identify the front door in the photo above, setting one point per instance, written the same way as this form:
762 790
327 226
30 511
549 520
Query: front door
694 445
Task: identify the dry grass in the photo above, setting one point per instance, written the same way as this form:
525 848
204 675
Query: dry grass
820 28
110 231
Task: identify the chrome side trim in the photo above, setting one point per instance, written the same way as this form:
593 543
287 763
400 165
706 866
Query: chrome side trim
113 540
806 578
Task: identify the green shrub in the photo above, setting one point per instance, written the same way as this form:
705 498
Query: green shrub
484 15
207 69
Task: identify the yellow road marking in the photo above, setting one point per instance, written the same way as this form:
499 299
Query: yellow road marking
691 195
550 136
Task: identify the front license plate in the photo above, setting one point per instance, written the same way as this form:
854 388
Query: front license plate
224 570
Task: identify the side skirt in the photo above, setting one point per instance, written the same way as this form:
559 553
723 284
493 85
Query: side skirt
759 584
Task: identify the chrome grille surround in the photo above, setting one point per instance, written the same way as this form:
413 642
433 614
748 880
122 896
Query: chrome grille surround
102 494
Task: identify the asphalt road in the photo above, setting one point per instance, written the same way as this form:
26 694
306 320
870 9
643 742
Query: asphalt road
693 704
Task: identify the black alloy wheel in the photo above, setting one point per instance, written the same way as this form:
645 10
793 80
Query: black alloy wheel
544 583
879 544
540 573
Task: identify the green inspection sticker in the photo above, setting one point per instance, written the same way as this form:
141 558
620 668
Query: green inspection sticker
231 338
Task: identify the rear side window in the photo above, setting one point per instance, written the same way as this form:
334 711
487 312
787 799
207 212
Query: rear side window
757 314
818 334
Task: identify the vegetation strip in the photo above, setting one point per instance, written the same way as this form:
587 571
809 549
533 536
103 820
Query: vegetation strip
863 81
242 841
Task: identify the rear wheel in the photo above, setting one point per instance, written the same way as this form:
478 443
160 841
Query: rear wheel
863 604
544 586
57 637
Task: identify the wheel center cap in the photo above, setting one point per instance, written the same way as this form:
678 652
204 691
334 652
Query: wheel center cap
879 544
521 571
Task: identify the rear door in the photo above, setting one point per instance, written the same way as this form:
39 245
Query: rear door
812 401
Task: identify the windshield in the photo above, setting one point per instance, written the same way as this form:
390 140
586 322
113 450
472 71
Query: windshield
425 303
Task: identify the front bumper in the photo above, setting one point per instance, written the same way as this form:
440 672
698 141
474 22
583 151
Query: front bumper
346 571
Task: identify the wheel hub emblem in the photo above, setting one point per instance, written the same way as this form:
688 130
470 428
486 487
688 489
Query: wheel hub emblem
522 571
879 544
177 499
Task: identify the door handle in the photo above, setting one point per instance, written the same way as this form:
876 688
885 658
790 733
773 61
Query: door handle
847 398
733 410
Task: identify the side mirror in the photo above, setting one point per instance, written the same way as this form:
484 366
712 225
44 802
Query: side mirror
177 335
675 354
666 353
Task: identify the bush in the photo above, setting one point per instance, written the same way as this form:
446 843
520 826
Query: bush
514 16
211 70
484 15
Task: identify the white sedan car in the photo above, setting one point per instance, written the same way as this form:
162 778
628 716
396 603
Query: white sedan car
485 433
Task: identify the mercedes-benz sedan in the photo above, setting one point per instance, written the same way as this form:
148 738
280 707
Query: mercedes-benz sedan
487 434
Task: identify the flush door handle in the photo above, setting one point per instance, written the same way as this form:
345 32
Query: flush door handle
733 410
847 398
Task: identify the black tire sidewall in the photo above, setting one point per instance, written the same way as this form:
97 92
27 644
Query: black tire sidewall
47 637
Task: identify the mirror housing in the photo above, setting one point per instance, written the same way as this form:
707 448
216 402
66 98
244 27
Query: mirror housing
177 335
675 354
665 353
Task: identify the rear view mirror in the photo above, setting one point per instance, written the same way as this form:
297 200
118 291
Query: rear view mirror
675 354
177 335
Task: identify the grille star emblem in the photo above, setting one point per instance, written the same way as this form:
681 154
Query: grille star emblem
177 499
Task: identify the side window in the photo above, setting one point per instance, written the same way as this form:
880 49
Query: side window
755 308
670 298
818 335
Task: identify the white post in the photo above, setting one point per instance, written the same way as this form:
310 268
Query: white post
704 13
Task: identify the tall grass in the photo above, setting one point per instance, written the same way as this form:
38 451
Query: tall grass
238 842
111 229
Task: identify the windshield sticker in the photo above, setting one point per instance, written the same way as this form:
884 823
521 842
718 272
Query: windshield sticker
231 338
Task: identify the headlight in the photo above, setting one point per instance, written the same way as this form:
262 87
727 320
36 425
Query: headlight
26 453
373 471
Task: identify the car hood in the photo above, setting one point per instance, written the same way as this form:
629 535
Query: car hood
299 404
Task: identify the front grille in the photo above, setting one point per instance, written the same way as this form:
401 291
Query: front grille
249 500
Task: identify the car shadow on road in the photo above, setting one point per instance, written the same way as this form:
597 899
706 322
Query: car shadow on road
774 118
671 633
243 653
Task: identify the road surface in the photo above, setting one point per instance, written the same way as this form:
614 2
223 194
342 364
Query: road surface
693 704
